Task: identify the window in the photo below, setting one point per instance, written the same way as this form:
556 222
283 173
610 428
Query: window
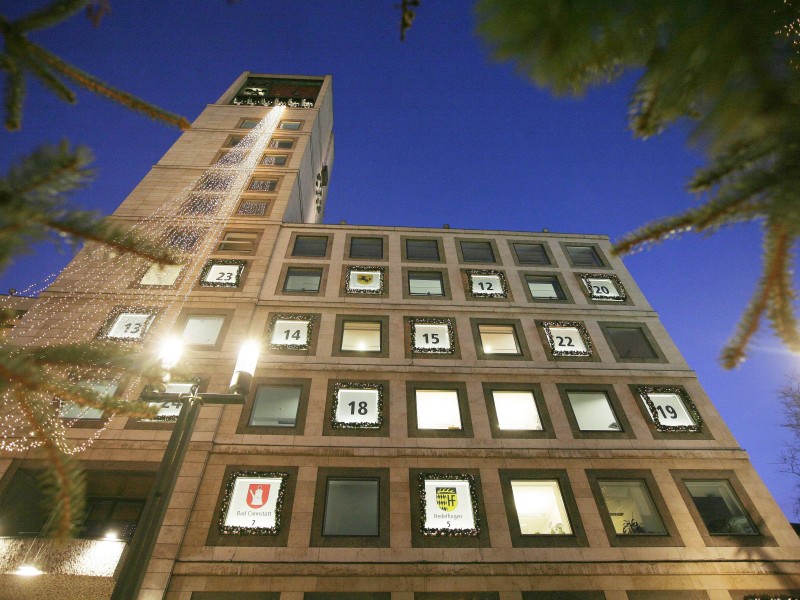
449 504
433 336
237 241
477 252
364 280
213 181
629 342
233 141
719 507
530 254
168 411
200 205
366 247
425 283
72 410
670 409
274 160
246 123
567 338
182 238
252 208
275 406
604 287
222 273
253 502
302 280
202 330
129 325
306 245
545 287
361 336
584 256
290 125
593 411
157 275
487 284
352 507
357 405
498 339
631 507
516 410
261 184
283 144
422 250
438 409
540 508
291 332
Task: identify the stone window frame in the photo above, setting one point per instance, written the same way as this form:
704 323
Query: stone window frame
216 537
240 124
519 335
407 271
492 247
300 234
547 251
460 388
420 540
269 203
301 126
762 538
189 311
543 328
206 285
244 426
671 539
439 248
702 432
233 140
230 483
309 349
547 431
468 274
102 420
116 311
282 138
345 287
278 179
594 246
348 246
186 209
274 152
280 289
140 273
577 539
567 299
339 330
328 426
257 233
382 540
660 357
410 335
623 298
614 403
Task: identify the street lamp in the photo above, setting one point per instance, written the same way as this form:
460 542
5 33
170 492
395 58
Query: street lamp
137 557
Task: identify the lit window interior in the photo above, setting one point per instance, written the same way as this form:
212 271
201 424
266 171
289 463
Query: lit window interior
516 411
540 508
593 411
631 508
360 336
498 339
438 409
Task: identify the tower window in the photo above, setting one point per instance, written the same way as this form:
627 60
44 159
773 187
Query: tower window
630 343
202 330
545 287
237 241
531 254
719 507
438 409
540 508
631 507
248 123
361 336
498 339
516 411
422 250
351 507
366 247
477 252
161 275
282 143
302 280
252 209
308 245
425 283
277 160
584 256
593 411
291 125
276 406
259 184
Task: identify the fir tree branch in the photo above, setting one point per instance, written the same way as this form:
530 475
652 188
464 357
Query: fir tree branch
15 47
14 93
50 15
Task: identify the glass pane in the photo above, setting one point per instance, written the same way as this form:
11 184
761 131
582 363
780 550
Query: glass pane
498 339
291 125
422 250
351 507
202 329
425 284
631 508
310 246
546 288
366 248
278 160
584 256
438 409
720 509
284 144
161 275
275 406
593 412
234 241
302 280
516 411
670 410
630 342
531 254
361 337
249 123
540 508
71 410
264 185
477 252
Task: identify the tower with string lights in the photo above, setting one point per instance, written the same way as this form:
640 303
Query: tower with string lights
374 412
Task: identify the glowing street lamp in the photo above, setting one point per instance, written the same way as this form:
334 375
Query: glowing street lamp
245 367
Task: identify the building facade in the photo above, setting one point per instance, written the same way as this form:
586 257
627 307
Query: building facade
435 413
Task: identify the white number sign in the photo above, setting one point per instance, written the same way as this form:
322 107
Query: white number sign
129 326
167 410
670 410
448 504
290 333
431 336
253 502
567 341
486 285
223 275
368 281
602 288
357 406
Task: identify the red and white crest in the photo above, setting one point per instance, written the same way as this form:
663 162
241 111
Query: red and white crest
257 495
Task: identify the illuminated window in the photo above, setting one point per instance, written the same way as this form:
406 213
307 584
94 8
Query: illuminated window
477 252
360 336
531 254
290 333
438 409
544 287
516 411
631 507
422 250
307 245
593 411
424 283
670 409
540 508
604 287
351 507
202 330
200 205
161 275
432 336
357 405
302 280
182 238
366 247
127 325
290 125
276 406
719 507
567 338
486 284
233 141
584 256
498 339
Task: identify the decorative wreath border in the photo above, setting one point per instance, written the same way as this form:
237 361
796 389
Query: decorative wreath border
581 330
235 529
149 391
440 532
108 325
620 297
376 292
358 385
644 392
279 317
414 321
490 272
222 261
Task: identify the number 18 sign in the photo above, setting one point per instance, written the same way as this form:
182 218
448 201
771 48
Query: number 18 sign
253 504
357 405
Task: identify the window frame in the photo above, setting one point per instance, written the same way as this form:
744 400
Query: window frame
661 431
545 246
606 326
410 324
380 291
186 313
286 273
446 386
469 274
163 424
187 207
210 263
546 432
330 426
546 335
278 179
339 329
309 348
218 249
137 281
382 540
557 277
349 247
290 251
87 422
278 140
300 125
492 249
441 258
409 271
626 431
604 264
244 426
112 316
287 156
241 123
245 199
519 337
621 297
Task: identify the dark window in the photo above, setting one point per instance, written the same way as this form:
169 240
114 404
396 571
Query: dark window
306 245
584 256
291 125
630 342
720 508
237 241
302 280
423 283
283 144
422 250
264 185
351 507
275 406
248 123
531 254
545 287
477 252
278 160
111 516
366 247
233 140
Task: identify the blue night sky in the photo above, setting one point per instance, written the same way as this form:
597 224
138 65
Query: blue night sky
429 131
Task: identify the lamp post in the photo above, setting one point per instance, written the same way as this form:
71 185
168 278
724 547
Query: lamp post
134 565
